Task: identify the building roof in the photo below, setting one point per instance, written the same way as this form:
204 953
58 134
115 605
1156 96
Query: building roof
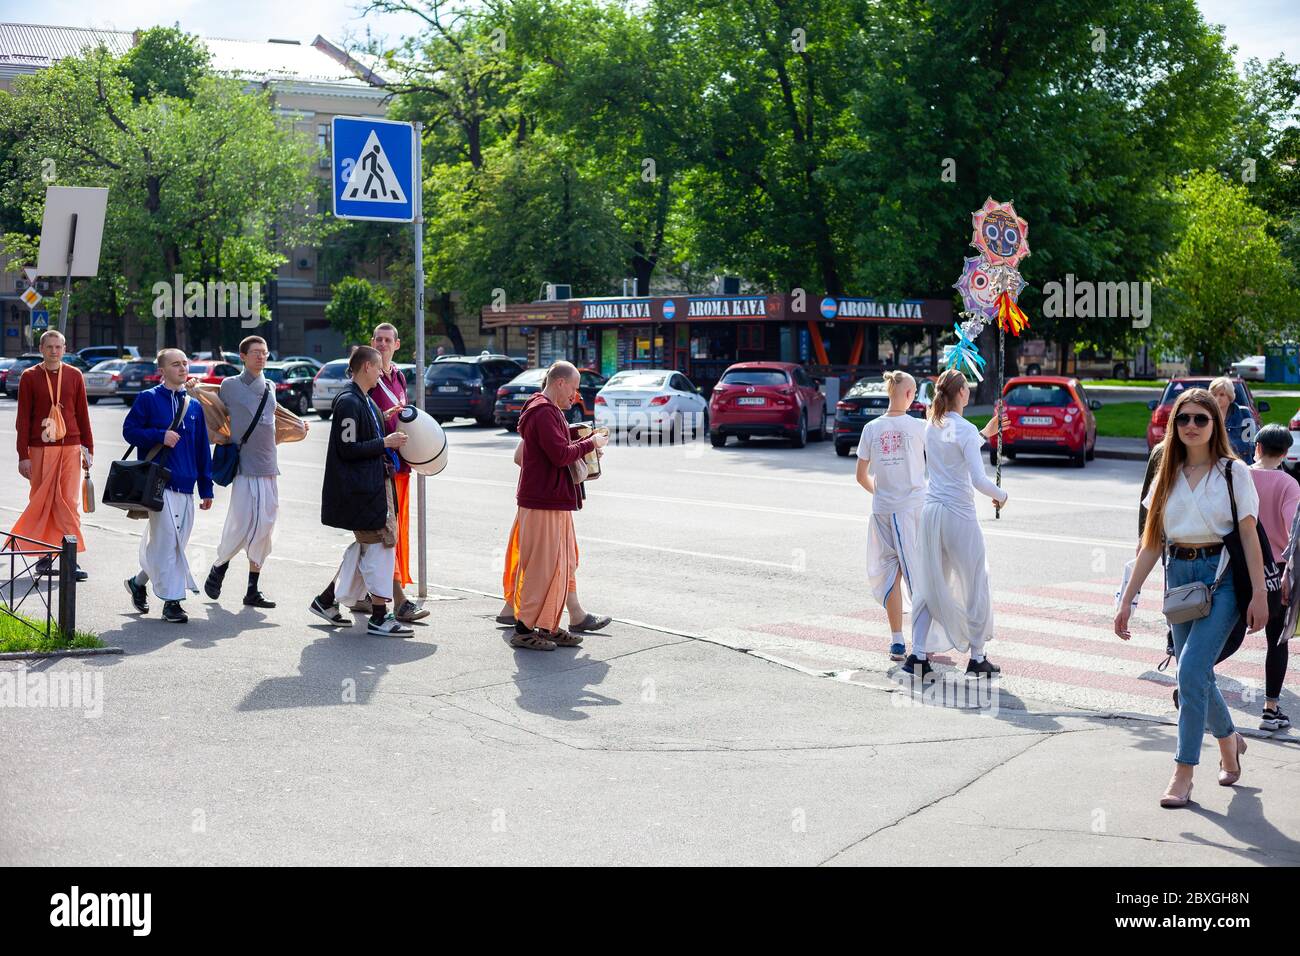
32 46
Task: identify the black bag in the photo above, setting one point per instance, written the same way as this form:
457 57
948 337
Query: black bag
1240 570
225 458
137 485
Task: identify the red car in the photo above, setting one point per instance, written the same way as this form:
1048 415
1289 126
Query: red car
1240 435
209 373
767 398
1050 415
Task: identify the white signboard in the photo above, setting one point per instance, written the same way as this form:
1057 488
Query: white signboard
88 203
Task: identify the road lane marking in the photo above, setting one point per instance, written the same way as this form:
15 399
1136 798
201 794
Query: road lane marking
784 565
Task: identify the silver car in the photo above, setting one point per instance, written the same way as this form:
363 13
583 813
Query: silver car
329 381
101 381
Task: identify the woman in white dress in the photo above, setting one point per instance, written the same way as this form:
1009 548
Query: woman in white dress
891 467
951 597
1188 513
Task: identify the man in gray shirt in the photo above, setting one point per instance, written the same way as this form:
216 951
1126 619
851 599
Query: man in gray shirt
254 495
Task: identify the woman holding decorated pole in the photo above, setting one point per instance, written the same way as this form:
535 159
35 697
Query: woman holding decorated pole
952 604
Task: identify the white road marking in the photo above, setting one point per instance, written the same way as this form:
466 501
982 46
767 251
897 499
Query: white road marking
784 565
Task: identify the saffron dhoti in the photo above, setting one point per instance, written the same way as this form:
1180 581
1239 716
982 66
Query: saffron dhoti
546 568
53 504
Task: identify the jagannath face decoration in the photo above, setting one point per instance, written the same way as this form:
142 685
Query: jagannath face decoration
977 287
1001 235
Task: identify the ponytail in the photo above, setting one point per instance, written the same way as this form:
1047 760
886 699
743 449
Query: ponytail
945 395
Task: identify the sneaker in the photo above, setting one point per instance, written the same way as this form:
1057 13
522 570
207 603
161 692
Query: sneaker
910 667
44 568
1274 719
362 607
897 652
80 575
985 668
257 599
139 595
389 627
172 611
212 586
592 622
410 611
330 615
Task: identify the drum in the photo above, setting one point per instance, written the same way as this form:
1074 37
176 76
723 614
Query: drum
426 443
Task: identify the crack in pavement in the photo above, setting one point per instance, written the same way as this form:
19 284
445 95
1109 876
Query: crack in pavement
921 809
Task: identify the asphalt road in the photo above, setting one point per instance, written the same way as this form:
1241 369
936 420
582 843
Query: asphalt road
262 737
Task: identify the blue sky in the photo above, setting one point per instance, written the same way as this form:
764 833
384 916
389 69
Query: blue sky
1261 28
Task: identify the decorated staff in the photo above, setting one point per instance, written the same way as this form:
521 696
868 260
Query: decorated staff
990 285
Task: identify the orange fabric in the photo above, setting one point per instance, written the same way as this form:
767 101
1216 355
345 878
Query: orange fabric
512 565
53 504
548 560
402 567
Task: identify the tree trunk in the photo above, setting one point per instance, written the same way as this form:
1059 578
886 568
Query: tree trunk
449 326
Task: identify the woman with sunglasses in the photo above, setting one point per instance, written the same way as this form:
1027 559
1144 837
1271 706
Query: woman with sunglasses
1189 513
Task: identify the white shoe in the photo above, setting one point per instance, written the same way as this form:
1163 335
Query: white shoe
330 615
390 627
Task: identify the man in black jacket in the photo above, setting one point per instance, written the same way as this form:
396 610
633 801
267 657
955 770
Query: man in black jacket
358 496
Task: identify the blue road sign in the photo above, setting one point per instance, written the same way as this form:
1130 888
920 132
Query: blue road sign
374 169
40 320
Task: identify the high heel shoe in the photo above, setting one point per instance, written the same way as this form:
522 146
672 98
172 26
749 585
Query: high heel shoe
1171 802
1228 777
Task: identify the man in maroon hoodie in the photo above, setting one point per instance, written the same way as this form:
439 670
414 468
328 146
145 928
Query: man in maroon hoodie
547 497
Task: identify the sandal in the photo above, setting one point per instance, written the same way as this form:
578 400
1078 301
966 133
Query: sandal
590 623
505 619
532 641
561 637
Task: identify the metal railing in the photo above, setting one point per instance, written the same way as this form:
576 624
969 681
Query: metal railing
41 559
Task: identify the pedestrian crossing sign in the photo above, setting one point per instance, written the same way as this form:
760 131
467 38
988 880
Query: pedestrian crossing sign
374 169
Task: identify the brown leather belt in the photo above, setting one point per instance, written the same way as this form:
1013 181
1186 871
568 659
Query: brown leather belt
1192 554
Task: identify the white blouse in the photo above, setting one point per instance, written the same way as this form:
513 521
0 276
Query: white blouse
1203 515
952 457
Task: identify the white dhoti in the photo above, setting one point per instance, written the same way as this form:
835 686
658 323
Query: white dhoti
250 522
951 598
162 550
366 569
891 550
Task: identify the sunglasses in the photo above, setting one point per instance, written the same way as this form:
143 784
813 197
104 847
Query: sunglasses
1200 420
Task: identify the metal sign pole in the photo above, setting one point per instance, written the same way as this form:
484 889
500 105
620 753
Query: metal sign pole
417 199
67 282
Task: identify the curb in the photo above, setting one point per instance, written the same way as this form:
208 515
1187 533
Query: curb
70 652
1120 455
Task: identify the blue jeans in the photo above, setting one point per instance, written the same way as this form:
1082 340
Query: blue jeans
1197 644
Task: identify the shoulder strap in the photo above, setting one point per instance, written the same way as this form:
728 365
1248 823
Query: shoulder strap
56 390
176 420
257 416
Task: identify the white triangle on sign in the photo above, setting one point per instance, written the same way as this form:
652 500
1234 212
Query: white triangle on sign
372 178
30 272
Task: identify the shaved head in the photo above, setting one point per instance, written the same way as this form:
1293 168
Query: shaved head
561 372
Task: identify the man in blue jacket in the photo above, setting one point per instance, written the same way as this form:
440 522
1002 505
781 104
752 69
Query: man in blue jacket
166 416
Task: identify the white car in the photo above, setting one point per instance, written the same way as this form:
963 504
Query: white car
1251 367
654 400
329 381
101 381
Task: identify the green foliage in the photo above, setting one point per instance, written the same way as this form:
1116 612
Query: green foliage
1226 288
356 306
165 61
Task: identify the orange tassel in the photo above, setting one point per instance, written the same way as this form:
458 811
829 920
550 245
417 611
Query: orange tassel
1010 317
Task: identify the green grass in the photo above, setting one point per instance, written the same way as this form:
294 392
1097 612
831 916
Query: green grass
15 637
1123 420
1135 382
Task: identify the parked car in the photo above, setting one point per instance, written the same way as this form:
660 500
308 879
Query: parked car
15 371
231 357
466 386
1243 443
512 395
94 354
767 398
293 384
211 373
5 365
102 380
659 401
135 377
1251 367
866 400
331 378
305 360
1049 415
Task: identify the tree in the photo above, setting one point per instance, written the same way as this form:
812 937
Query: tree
356 306
1226 287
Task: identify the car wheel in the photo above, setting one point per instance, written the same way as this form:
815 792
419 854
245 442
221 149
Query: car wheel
1079 460
128 400
485 422
92 400
820 433
1091 454
325 415
717 439
742 438
511 428
800 438
842 451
